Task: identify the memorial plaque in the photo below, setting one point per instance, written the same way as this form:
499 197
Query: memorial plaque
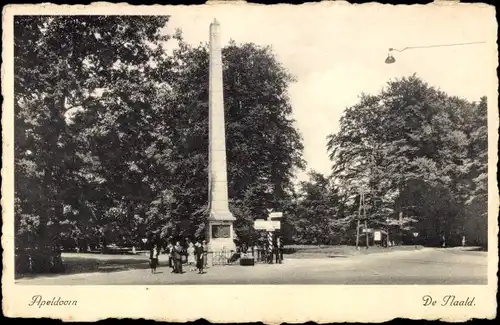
221 231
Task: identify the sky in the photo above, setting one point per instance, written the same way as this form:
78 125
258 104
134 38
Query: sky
336 52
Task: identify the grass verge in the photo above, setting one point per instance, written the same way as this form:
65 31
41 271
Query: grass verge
310 251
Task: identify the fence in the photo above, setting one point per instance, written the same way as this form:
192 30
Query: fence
259 255
223 257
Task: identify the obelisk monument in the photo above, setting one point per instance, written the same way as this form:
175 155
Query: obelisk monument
220 232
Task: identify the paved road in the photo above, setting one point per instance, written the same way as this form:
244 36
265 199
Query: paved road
426 266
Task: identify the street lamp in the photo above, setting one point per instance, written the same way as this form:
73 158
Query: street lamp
387 238
390 58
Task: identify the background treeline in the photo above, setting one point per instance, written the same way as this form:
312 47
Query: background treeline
411 149
111 143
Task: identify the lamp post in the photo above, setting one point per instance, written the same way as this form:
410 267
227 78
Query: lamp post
390 58
388 240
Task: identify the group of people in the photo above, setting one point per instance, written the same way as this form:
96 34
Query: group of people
268 254
192 254
263 252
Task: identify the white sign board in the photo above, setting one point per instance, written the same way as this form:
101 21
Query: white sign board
276 224
268 225
261 224
377 236
276 215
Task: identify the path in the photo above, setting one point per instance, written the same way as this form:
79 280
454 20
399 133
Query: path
426 266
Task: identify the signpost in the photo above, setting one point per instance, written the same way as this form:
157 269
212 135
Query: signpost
270 225
273 223
261 224
275 215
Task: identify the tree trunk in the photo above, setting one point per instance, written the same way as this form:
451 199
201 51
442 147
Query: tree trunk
366 233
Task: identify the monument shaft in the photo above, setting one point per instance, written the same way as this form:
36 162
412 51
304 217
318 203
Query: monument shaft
220 221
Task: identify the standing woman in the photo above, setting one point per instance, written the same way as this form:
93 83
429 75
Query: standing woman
205 253
153 256
190 256
170 249
198 251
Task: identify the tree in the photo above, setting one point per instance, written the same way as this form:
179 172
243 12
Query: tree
112 137
413 147
318 217
60 64
263 147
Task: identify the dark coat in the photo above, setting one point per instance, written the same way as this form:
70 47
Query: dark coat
177 252
151 253
198 252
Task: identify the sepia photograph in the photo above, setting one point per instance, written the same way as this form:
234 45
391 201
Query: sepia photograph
209 147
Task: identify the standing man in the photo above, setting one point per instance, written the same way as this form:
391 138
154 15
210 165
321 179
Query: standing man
279 256
281 251
178 253
198 252
153 257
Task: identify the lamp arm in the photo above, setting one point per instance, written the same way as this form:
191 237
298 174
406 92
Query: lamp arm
438 45
391 49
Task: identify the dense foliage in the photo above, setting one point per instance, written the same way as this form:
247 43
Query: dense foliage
111 130
413 150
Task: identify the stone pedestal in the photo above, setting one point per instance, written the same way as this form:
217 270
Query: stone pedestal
221 234
219 231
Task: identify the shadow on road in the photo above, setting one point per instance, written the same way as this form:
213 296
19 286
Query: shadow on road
75 265
337 256
477 249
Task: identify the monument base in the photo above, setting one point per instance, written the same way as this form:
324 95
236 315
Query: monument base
220 251
221 244
220 235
